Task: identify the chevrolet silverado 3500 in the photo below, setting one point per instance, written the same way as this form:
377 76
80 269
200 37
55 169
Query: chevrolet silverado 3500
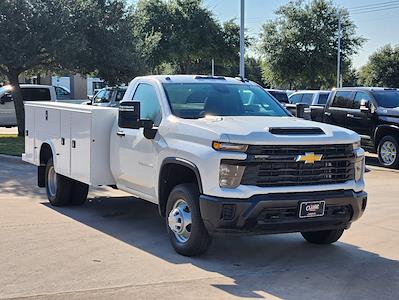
218 155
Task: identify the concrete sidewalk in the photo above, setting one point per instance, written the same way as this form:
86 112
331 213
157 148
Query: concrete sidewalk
117 248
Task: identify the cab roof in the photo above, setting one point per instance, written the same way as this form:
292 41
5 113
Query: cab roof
198 78
365 88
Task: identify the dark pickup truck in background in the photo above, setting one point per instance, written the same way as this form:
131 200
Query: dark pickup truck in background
371 112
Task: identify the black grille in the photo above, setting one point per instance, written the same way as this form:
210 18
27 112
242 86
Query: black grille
269 166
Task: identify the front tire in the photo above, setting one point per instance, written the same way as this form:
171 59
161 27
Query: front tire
323 237
387 151
184 224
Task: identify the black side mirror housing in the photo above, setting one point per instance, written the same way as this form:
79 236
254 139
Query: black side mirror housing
129 117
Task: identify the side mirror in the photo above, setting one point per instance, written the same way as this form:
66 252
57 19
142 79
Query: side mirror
129 115
365 105
301 110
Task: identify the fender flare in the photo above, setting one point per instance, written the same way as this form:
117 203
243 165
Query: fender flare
185 163
181 162
384 126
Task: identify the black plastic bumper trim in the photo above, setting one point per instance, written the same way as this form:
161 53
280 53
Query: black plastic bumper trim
247 212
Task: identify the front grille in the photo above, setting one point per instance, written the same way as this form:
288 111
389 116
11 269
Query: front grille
271 166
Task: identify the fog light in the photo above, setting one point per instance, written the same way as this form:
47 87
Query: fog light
359 168
230 175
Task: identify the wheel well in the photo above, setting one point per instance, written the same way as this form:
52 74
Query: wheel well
384 131
171 175
45 155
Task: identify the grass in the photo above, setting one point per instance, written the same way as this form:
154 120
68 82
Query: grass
11 144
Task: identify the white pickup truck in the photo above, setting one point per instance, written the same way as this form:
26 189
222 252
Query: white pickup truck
30 92
218 155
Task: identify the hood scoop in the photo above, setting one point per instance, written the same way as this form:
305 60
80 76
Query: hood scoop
296 130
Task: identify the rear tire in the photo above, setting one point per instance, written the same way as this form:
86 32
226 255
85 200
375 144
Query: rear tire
323 237
58 187
388 152
184 224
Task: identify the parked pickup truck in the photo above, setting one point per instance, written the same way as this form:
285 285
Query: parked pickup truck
30 92
371 112
217 155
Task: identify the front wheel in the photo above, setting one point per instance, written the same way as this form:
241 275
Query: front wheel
323 237
185 227
388 152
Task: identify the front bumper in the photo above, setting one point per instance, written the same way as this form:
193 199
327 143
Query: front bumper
278 213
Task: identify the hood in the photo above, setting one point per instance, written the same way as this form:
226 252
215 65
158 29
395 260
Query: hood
389 112
262 130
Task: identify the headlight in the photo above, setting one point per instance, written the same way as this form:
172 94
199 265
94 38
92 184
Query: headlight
359 168
356 145
230 175
220 146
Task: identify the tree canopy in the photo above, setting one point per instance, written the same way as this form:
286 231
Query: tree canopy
80 36
382 68
300 46
184 35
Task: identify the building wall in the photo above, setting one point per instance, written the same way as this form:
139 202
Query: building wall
79 86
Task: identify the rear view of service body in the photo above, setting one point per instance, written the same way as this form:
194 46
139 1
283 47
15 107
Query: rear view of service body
217 155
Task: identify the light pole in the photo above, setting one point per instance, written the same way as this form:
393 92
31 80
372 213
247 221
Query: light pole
242 42
339 53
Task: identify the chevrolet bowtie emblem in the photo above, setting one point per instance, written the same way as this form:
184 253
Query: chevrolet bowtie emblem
309 158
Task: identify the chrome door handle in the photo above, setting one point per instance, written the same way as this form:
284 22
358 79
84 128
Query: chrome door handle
350 115
120 133
327 113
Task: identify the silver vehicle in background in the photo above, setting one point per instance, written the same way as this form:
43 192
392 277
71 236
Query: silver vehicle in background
305 100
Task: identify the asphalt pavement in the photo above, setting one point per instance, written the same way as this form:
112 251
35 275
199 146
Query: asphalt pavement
115 247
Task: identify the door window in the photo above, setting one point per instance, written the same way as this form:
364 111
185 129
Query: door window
150 108
359 97
323 98
294 99
343 100
35 94
61 92
307 98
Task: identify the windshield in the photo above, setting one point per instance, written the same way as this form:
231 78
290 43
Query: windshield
387 98
103 96
196 100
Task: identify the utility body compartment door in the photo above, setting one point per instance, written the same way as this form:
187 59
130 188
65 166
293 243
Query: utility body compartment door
63 145
80 146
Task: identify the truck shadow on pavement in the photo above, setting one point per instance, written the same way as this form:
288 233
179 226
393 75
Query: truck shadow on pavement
283 266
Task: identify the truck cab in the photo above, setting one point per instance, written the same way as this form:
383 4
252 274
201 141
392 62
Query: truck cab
371 112
218 155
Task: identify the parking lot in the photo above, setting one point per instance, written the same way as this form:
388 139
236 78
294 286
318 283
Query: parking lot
115 246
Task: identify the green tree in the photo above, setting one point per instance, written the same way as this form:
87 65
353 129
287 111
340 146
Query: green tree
382 68
184 36
81 36
300 46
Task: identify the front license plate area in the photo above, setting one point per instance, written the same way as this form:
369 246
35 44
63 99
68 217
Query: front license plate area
311 209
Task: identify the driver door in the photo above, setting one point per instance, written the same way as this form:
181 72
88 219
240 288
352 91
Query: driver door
137 154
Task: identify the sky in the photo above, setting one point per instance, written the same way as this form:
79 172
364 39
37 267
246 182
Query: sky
379 27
